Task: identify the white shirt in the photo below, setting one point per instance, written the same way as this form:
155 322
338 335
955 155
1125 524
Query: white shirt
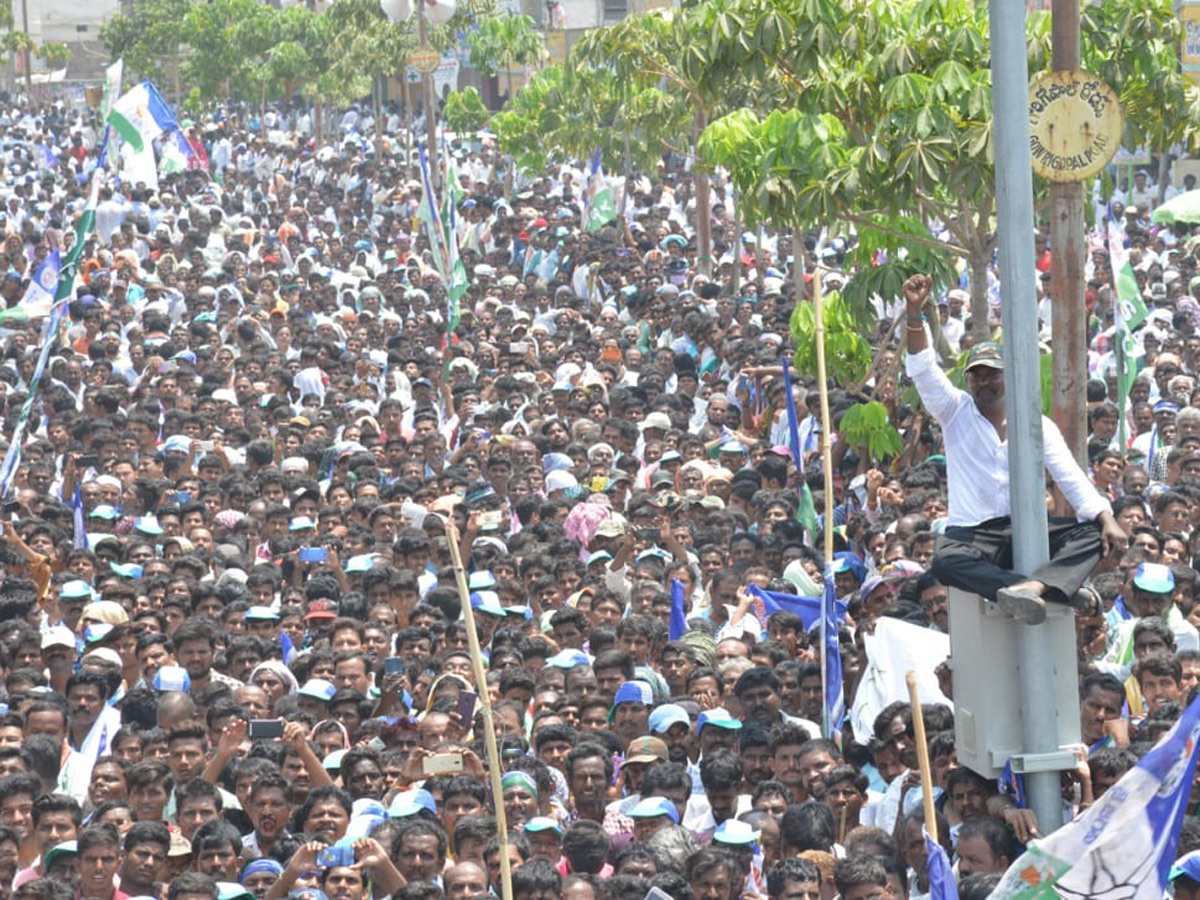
977 460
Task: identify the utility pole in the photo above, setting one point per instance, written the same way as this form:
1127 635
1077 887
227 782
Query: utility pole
1068 320
1026 465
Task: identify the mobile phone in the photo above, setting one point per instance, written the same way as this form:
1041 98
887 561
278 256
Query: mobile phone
335 856
265 728
87 462
393 665
466 707
518 347
377 743
182 497
442 763
12 506
314 554
206 446
490 520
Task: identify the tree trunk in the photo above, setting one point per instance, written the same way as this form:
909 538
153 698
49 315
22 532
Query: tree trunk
703 208
977 266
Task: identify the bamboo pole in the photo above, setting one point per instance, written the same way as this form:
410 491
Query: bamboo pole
826 425
918 717
489 727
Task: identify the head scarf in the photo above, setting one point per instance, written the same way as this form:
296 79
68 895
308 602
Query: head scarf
518 777
284 673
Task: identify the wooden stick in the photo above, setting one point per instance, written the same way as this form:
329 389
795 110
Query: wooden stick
826 436
489 727
918 717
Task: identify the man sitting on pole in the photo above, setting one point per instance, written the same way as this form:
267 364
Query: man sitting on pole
975 553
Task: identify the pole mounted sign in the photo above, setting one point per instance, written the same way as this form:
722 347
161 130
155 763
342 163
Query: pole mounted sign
1075 125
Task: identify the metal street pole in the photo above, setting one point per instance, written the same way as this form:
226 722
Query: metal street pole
1068 318
1026 465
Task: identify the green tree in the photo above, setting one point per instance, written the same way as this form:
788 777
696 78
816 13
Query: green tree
503 43
18 43
148 38
55 53
464 112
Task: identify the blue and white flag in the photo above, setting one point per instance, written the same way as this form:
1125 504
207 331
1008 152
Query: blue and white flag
806 513
941 875
679 624
1123 846
39 296
81 535
831 655
807 608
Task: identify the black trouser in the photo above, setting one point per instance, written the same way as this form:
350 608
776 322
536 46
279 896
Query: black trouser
979 558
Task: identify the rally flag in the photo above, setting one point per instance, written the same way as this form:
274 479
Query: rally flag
47 158
66 284
112 89
1124 844
679 624
287 647
140 115
807 608
834 709
598 206
941 874
176 152
81 535
806 512
1128 313
440 225
39 296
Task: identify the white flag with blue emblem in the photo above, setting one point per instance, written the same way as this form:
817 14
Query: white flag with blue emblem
39 296
1123 846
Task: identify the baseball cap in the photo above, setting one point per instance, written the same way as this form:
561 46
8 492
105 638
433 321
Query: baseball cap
410 803
667 715
543 823
262 613
74 590
363 562
321 609
987 354
66 848
487 602
634 692
231 890
1188 864
569 659
58 636
172 678
720 718
1154 577
658 420
318 688
653 807
646 750
734 831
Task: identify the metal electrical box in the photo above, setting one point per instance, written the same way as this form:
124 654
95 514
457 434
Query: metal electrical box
984 662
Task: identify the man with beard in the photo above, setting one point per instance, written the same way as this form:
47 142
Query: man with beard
268 811
978 536
757 691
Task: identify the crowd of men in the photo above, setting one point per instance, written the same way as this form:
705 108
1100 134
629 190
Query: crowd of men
233 650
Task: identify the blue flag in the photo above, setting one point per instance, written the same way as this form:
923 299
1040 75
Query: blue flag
679 624
1124 844
289 649
831 655
81 535
941 875
807 608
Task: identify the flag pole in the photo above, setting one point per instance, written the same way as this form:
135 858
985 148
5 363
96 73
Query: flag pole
827 472
918 718
489 727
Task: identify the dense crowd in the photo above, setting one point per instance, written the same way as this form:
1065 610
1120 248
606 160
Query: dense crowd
233 650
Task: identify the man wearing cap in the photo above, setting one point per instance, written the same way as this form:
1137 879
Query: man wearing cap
1185 876
978 535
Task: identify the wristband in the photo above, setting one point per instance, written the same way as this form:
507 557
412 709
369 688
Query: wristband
913 318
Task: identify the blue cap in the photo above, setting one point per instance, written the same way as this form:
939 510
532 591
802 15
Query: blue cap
653 807
719 718
103 511
481 580
147 525
318 688
487 602
1154 577
262 613
667 715
172 678
1166 406
126 570
634 692
177 443
569 659
74 590
1188 864
410 803
231 890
